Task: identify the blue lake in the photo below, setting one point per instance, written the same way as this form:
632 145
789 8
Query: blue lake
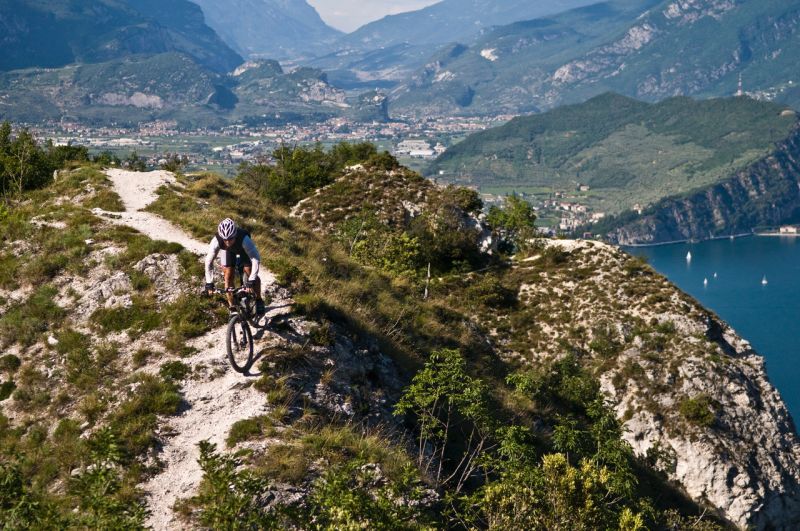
767 315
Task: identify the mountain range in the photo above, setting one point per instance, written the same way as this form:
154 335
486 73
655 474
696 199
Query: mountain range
274 29
450 21
647 49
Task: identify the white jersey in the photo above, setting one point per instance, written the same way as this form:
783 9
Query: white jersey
229 257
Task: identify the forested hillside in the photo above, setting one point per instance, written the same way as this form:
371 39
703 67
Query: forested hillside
629 152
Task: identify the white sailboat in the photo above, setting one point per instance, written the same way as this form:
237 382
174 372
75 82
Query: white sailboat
689 256
715 274
705 282
764 281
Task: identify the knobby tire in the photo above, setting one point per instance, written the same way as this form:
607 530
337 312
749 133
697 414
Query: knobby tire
239 342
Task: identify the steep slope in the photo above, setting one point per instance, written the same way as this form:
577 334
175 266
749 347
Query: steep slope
112 373
648 50
277 29
764 194
626 150
54 34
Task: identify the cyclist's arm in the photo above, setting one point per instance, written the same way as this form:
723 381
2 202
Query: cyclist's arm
252 253
213 250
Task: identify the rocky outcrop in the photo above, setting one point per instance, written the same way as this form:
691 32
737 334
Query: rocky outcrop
694 397
766 193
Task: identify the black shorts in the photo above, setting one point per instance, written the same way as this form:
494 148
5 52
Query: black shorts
231 259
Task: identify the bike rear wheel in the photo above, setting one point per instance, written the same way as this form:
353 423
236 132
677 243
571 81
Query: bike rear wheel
239 342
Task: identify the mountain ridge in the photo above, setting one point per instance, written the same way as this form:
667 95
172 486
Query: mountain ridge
274 29
649 50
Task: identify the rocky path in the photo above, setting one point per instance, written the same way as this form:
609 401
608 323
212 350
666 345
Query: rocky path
216 399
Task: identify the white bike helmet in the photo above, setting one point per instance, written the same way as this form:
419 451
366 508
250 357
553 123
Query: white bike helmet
226 229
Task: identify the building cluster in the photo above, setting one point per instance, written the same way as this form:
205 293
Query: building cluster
233 144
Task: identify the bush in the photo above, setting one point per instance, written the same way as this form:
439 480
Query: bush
300 170
6 388
229 499
355 496
9 363
699 410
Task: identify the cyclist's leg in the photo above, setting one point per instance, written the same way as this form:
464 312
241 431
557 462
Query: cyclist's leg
256 284
228 260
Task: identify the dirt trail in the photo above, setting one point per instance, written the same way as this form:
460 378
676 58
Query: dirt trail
214 402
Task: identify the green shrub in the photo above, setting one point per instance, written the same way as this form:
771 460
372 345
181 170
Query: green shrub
6 388
228 498
355 496
698 410
9 363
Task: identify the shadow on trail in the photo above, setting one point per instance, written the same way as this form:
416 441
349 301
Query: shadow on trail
280 327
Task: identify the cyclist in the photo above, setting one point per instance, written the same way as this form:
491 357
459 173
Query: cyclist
239 253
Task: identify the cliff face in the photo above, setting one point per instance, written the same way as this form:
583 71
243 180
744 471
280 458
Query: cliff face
694 397
766 193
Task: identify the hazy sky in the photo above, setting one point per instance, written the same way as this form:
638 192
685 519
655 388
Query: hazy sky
348 15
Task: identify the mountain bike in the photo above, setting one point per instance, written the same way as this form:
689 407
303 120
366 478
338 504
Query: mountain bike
239 337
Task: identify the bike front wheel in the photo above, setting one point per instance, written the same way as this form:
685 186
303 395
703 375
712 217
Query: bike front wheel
239 342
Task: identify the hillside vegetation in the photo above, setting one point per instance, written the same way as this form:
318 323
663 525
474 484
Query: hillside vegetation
627 151
391 399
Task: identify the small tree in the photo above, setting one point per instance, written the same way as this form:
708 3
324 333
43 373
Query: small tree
452 411
134 162
174 162
515 222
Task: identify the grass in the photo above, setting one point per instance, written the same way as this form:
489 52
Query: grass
249 429
142 316
191 316
25 322
135 420
333 444
174 371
